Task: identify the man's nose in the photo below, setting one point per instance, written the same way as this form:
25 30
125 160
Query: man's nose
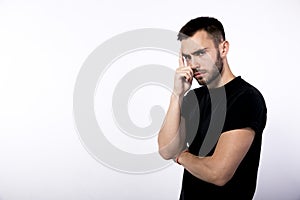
194 63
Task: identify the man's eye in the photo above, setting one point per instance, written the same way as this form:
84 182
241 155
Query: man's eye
187 57
200 53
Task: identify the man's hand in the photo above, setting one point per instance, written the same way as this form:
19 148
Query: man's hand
183 78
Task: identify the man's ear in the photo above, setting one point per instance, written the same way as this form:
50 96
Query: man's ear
224 48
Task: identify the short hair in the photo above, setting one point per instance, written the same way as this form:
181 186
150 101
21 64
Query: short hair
212 26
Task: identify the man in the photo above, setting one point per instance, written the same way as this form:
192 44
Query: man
225 117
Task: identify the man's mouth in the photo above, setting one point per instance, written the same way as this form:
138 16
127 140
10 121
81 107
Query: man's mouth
199 73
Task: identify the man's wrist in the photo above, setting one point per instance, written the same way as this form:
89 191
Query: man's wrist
177 97
179 157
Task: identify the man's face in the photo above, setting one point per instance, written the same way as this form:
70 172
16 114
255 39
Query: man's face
200 53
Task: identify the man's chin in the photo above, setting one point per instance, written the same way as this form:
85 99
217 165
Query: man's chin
201 81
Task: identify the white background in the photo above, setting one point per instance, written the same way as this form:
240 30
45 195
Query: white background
43 45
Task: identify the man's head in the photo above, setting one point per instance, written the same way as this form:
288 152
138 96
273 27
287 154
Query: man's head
211 26
204 48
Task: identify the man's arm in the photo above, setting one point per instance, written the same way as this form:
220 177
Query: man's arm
219 168
171 136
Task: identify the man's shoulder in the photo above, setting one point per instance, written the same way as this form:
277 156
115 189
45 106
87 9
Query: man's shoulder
252 90
246 94
243 87
197 92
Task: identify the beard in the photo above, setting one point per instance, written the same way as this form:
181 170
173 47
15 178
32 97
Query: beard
215 73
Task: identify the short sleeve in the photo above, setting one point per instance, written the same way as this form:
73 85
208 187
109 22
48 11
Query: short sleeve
246 110
184 106
189 105
191 113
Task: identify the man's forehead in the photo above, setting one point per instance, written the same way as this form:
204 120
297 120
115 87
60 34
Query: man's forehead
199 41
189 45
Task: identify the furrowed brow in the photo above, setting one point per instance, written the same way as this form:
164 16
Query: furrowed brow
199 51
184 55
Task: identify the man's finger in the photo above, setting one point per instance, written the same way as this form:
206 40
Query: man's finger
181 61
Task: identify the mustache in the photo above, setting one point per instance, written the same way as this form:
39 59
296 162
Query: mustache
198 70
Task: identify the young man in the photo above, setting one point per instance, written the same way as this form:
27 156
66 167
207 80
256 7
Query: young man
213 131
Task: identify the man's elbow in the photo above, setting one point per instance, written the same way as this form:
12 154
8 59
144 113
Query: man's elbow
168 151
220 182
162 150
165 154
221 178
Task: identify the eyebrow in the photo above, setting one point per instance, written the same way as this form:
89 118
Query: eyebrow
195 52
199 51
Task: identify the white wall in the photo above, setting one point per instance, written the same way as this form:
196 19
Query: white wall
43 45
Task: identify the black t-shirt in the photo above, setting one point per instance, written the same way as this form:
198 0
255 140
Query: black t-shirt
210 112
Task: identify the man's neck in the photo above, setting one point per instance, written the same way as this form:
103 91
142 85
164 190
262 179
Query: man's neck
225 77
